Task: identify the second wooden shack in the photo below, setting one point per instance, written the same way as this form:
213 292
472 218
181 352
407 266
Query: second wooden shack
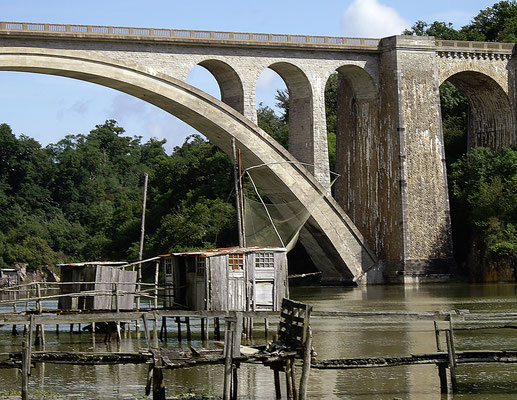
235 278
104 278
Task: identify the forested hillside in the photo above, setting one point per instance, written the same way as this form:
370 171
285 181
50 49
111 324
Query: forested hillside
81 198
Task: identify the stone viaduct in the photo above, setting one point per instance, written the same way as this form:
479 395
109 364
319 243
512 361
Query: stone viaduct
389 218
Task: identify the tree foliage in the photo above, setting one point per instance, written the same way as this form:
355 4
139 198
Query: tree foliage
81 198
483 184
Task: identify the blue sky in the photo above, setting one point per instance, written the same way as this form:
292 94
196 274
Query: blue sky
48 108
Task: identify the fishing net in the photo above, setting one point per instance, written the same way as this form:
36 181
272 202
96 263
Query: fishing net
272 217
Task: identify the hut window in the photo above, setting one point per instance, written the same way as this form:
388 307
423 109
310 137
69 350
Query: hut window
236 261
168 266
200 266
264 260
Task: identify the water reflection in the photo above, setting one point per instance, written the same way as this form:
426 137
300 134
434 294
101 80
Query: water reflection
347 337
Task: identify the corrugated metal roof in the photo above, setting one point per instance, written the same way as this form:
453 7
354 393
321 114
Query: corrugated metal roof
83 264
224 250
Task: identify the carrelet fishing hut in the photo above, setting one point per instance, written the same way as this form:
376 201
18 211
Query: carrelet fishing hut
97 285
235 278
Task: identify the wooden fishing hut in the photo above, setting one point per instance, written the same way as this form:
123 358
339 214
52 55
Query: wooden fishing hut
108 283
9 277
235 279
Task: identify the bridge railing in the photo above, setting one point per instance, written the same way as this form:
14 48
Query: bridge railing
462 45
114 31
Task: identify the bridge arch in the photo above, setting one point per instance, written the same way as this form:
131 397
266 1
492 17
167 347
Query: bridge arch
491 120
230 83
342 254
359 152
300 111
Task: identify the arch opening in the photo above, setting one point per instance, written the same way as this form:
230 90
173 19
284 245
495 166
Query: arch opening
476 112
352 116
228 81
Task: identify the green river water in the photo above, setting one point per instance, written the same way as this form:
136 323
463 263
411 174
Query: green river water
349 337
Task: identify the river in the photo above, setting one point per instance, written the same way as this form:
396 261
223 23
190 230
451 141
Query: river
350 337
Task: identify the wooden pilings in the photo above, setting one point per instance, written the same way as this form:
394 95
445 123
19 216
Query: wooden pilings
451 357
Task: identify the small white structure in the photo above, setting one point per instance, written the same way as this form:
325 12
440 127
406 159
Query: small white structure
235 278
9 277
100 276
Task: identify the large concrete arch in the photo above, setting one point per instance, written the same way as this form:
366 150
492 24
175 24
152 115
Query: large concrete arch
491 117
230 84
345 255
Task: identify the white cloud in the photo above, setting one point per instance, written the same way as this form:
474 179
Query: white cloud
267 80
370 18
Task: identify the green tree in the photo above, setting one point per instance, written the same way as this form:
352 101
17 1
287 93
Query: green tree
483 185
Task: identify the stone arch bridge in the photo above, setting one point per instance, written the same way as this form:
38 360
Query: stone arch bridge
389 217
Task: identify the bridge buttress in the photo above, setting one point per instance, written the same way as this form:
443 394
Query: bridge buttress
418 237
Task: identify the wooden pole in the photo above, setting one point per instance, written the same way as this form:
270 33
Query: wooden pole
452 361
288 383
236 179
228 345
155 332
235 383
307 352
293 378
142 226
178 321
189 334
278 391
158 384
25 371
217 329
156 274
437 336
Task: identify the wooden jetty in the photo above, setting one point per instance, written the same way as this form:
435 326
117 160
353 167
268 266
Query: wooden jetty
447 356
294 343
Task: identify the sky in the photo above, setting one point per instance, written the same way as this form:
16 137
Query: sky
48 108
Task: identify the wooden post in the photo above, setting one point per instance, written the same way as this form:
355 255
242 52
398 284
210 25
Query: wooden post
452 359
202 328
288 383
293 378
307 352
189 334
117 326
42 332
156 274
235 383
155 332
278 391
37 336
442 374
228 346
38 302
266 328
158 384
146 331
437 336
237 335
29 341
217 329
178 321
25 371
163 330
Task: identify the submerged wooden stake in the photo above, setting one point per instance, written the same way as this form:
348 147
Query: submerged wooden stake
25 371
